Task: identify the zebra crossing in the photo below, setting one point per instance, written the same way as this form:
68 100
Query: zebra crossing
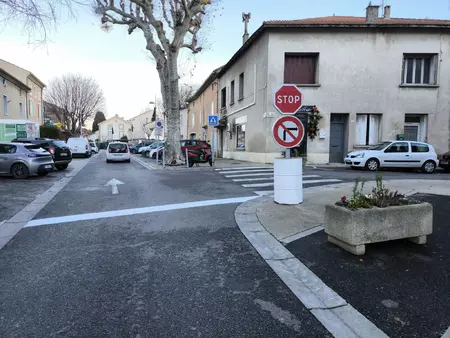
261 181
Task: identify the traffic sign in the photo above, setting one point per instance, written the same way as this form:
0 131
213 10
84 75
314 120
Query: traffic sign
287 99
213 120
288 131
159 124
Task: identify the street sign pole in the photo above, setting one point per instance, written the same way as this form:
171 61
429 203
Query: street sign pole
213 121
213 145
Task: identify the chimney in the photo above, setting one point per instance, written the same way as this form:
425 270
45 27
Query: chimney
245 18
387 12
372 13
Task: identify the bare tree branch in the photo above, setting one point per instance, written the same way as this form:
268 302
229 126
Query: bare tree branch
77 97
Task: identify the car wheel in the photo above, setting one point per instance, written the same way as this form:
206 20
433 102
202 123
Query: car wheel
43 174
128 161
147 154
447 169
372 164
429 167
154 156
20 170
191 163
108 161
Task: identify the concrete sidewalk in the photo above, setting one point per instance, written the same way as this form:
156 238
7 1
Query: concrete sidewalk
289 223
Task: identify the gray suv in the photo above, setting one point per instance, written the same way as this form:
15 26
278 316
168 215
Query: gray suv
22 160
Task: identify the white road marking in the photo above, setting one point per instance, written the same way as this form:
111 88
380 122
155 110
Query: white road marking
244 171
250 175
241 168
446 333
264 192
114 183
136 211
302 234
260 185
266 178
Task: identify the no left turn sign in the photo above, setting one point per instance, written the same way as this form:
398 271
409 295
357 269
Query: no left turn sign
288 131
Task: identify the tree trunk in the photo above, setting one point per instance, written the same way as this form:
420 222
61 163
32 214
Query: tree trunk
168 75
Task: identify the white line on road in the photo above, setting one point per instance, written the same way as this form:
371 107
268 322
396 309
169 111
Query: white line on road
446 333
260 185
244 171
250 175
136 211
241 168
266 178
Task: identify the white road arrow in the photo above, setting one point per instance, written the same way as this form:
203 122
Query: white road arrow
114 183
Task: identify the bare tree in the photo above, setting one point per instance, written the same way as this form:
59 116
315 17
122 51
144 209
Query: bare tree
36 17
147 130
78 98
168 26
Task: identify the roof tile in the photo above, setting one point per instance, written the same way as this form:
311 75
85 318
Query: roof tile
354 20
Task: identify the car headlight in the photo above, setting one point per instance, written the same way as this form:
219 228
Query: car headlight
359 155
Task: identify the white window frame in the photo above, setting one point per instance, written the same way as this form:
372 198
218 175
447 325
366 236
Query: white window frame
193 120
420 58
374 129
31 103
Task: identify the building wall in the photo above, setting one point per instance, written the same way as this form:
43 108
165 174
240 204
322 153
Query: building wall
184 124
199 110
35 102
15 97
116 124
249 111
366 81
141 124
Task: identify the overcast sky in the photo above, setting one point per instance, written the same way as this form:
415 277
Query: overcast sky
120 64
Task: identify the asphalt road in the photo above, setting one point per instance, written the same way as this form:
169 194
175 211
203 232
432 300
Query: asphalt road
176 273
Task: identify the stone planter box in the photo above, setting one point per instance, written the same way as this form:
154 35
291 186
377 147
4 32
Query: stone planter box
351 230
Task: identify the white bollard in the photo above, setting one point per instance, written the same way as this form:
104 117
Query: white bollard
164 158
288 181
187 159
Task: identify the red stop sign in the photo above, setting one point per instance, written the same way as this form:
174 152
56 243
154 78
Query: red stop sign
287 99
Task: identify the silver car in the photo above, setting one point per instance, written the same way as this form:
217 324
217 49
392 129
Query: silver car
22 160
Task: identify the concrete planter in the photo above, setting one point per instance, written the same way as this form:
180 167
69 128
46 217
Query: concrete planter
351 230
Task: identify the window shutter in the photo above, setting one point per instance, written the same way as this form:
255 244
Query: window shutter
403 71
434 68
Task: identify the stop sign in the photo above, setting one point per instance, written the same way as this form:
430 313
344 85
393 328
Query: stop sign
287 99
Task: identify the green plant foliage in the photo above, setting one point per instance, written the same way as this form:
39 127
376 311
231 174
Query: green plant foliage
49 131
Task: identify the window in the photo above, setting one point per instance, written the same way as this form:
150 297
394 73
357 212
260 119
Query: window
241 86
21 110
419 69
5 104
193 120
223 97
232 93
367 129
7 149
300 68
120 126
31 107
419 148
398 147
240 136
39 110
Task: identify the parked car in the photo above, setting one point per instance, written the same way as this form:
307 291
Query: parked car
444 161
94 147
136 148
199 151
59 150
79 146
118 152
156 149
23 159
395 154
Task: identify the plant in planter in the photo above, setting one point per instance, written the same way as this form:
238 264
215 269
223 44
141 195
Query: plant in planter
380 216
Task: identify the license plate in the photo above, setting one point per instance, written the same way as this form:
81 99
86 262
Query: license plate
48 166
444 162
63 154
117 155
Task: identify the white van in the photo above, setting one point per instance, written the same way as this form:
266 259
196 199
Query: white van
79 146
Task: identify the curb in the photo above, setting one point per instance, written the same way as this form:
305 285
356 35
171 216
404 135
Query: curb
335 314
13 225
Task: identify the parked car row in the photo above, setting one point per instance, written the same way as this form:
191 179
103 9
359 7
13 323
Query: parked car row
397 154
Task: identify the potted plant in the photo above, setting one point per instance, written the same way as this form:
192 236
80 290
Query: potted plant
380 216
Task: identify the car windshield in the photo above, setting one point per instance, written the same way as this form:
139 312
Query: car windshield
380 146
92 144
117 148
59 143
35 148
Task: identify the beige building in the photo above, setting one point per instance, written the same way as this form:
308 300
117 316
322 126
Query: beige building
395 86
34 106
202 104
114 128
141 125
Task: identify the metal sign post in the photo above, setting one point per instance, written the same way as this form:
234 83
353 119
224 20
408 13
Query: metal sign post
164 158
187 159
213 121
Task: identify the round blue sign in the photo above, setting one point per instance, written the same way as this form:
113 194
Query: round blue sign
159 124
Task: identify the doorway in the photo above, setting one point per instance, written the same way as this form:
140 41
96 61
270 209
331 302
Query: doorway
338 125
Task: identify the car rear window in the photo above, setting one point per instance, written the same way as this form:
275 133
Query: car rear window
117 148
59 143
35 148
419 148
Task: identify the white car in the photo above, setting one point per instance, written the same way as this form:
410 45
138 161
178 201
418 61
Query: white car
118 152
94 147
79 146
395 154
154 151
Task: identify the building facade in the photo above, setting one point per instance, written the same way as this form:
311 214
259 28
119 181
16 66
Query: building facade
372 78
202 104
13 121
142 126
114 128
34 107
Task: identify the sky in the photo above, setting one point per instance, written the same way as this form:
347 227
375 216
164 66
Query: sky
122 67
